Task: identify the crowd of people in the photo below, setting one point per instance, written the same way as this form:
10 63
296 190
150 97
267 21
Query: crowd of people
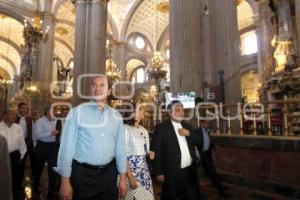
95 152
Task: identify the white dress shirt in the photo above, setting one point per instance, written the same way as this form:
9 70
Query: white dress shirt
43 128
186 159
23 124
14 137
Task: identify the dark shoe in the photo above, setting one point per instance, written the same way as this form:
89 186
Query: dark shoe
222 188
53 196
36 190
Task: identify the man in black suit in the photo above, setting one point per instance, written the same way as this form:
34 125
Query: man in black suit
206 155
174 163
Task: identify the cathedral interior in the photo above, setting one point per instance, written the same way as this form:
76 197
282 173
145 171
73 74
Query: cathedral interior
237 61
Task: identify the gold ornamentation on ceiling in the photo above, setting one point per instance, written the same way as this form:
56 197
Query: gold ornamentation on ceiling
238 2
2 16
61 31
163 7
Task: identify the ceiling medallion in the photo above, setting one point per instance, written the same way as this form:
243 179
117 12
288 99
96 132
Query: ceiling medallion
61 31
163 7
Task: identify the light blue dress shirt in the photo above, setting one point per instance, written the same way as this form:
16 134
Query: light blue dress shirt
42 130
206 140
92 136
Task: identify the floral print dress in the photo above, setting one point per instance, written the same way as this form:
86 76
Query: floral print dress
137 147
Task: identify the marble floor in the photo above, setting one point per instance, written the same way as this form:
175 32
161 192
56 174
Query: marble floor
234 192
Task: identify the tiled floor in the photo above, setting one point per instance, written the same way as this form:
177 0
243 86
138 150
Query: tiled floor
209 192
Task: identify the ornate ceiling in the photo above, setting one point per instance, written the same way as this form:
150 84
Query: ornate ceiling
245 15
64 32
11 41
125 17
148 21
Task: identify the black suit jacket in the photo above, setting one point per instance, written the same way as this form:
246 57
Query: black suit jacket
211 144
167 151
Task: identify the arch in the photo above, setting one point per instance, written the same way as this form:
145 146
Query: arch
56 6
9 12
8 67
65 44
4 74
162 39
128 18
140 57
11 43
65 21
13 65
113 25
71 60
135 34
245 14
135 70
253 5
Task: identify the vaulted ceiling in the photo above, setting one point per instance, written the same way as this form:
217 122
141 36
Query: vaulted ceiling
124 18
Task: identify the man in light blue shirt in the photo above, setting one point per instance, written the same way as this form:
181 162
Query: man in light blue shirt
92 151
44 132
206 155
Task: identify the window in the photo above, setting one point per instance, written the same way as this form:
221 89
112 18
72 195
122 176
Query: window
248 43
140 43
168 54
140 75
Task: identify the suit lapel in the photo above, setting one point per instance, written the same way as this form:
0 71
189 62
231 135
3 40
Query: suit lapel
172 135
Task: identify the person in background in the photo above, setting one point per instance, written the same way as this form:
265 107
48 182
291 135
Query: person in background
26 123
206 155
92 150
5 178
59 127
45 134
35 116
13 134
137 147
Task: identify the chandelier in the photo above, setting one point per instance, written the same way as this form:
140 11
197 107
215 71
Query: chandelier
5 82
34 34
157 67
112 71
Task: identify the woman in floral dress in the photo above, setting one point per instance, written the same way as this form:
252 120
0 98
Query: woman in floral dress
137 148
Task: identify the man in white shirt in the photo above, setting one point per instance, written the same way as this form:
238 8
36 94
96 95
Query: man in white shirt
174 163
13 134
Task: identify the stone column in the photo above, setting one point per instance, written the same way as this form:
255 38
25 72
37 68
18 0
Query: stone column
97 51
45 71
121 59
185 46
265 34
80 42
297 8
223 17
284 19
35 62
209 71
